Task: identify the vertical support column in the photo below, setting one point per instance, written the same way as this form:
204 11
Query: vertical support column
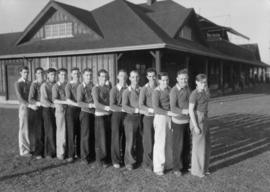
231 76
207 67
187 63
240 77
116 65
157 57
221 78
158 61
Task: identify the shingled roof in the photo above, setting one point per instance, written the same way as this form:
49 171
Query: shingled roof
121 25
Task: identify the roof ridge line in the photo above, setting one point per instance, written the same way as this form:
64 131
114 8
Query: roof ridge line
150 28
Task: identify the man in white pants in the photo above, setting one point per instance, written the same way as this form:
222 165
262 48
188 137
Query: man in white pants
59 99
22 87
162 121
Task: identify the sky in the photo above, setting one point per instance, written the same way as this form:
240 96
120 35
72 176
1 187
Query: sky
249 17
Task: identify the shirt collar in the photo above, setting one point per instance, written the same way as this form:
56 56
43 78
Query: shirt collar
22 80
130 88
178 87
119 87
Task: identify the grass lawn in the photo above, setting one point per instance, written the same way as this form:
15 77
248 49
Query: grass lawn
240 159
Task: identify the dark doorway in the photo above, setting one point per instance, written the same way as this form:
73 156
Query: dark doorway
139 61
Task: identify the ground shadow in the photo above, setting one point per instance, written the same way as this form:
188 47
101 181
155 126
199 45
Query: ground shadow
237 137
39 169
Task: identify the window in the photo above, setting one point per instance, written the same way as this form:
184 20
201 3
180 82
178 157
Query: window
186 33
60 30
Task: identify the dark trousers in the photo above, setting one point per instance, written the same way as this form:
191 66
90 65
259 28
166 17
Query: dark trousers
102 138
181 146
148 141
73 131
36 131
87 136
132 132
118 137
49 131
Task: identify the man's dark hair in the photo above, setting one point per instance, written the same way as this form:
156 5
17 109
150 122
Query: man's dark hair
50 70
162 74
75 69
122 70
151 70
62 70
201 77
87 70
23 68
39 69
182 71
102 71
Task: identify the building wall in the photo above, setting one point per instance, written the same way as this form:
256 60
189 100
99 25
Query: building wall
95 62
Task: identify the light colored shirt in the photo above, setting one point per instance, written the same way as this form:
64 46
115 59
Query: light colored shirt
131 99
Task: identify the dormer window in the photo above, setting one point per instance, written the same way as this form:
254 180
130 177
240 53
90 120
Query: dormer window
186 33
60 30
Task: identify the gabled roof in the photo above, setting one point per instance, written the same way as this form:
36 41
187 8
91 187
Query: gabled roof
253 47
207 25
169 15
122 25
82 16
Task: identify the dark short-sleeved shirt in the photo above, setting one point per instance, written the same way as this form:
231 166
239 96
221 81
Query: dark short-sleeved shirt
84 94
161 100
22 88
71 91
200 100
179 99
131 99
34 94
116 97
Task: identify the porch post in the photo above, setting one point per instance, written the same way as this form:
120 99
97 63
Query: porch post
221 79
231 76
157 56
207 67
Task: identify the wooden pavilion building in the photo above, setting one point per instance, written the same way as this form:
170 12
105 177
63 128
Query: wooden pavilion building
123 35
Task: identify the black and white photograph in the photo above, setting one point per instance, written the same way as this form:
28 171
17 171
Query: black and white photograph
134 95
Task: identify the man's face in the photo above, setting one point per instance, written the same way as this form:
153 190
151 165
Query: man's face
102 78
24 74
75 74
122 76
202 84
151 76
182 80
134 78
62 76
39 74
51 76
87 77
164 82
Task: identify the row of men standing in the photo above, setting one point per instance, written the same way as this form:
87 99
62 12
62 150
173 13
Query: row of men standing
68 119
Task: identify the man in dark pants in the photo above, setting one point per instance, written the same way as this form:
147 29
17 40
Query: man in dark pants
35 115
101 96
117 120
87 118
145 104
48 114
73 116
130 105
179 101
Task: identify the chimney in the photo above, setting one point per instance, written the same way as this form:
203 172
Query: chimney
150 2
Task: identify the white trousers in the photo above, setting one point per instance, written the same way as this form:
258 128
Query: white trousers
161 124
24 143
60 118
